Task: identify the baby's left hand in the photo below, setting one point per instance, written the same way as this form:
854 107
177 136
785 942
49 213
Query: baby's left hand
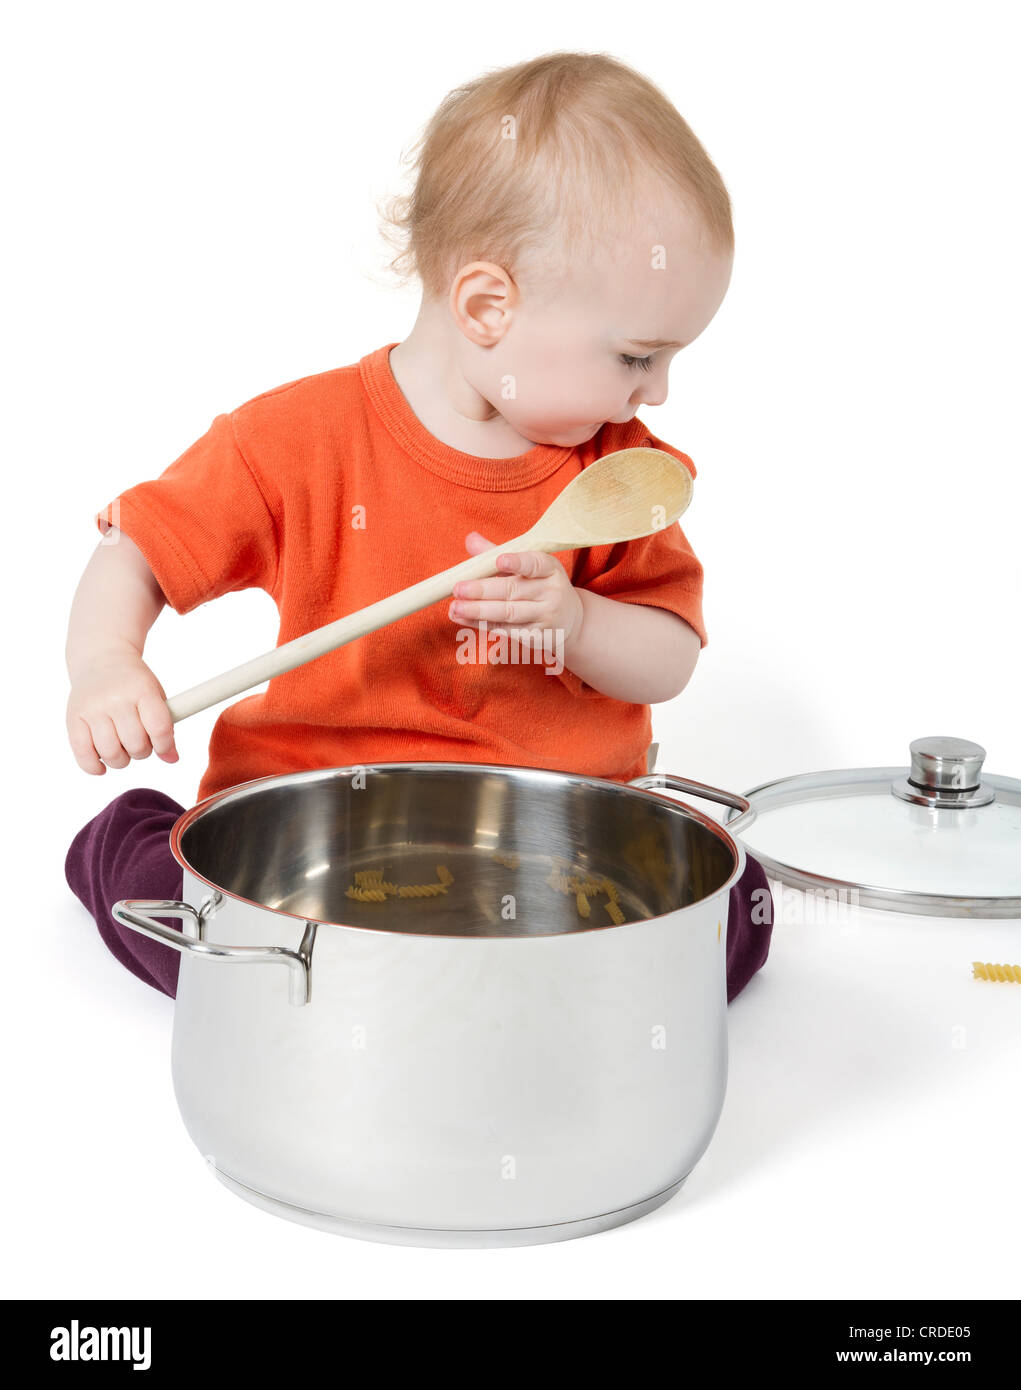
532 591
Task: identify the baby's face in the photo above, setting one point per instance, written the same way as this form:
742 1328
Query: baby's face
583 355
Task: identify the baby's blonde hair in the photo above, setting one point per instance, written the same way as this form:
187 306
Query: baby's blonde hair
541 159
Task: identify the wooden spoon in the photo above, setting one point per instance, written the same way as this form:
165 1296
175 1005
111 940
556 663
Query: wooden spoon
619 497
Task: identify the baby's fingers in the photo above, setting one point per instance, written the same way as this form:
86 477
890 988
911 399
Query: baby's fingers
160 727
107 741
131 730
83 747
520 612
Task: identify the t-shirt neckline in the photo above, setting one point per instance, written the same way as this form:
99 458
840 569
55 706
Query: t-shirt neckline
487 475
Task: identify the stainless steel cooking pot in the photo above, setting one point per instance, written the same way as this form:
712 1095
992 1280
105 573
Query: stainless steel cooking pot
483 1066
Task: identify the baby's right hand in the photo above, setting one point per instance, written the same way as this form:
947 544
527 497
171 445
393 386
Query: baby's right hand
117 710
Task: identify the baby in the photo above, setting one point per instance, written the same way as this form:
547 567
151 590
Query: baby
571 237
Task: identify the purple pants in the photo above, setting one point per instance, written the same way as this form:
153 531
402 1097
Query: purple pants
124 852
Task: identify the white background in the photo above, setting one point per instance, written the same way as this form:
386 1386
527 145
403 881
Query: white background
190 221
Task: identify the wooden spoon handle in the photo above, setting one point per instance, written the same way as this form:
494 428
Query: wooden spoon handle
332 635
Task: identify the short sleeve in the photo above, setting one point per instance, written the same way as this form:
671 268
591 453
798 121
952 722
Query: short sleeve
203 525
659 570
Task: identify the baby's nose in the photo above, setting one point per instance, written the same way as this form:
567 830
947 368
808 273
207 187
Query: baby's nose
654 393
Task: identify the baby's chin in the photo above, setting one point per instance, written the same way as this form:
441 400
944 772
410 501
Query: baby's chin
565 434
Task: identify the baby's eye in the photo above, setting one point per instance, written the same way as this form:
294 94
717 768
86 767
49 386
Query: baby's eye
644 364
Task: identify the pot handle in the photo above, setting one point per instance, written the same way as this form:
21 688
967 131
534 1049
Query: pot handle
679 784
132 912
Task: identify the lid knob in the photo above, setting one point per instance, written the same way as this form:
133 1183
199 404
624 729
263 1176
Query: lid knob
946 764
945 772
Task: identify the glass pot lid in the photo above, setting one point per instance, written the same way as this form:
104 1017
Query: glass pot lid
939 837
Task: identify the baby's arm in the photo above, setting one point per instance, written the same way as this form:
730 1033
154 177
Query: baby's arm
631 651
117 709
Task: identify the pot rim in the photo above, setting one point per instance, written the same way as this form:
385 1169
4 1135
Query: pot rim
243 789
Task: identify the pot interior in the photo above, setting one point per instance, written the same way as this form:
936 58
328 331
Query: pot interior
509 840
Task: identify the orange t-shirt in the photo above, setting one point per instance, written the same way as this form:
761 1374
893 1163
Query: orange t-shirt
329 493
